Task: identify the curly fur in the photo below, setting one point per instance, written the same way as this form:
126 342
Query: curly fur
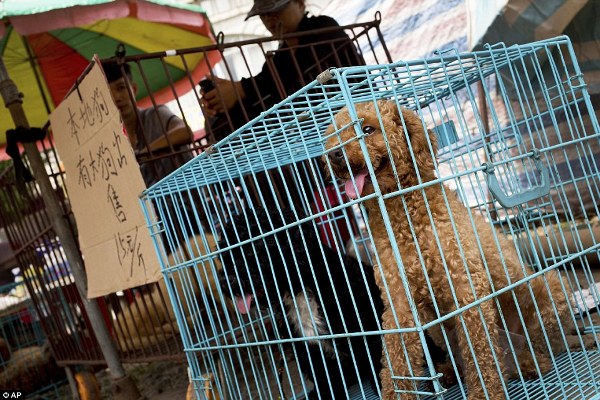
303 283
419 218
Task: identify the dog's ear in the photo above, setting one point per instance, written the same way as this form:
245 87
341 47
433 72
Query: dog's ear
389 112
416 133
300 233
330 141
327 132
326 173
424 150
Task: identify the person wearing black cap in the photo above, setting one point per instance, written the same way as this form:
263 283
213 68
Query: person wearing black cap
297 61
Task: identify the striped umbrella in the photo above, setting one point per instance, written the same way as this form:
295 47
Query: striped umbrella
46 44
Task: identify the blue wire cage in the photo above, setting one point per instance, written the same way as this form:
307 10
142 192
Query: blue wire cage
421 229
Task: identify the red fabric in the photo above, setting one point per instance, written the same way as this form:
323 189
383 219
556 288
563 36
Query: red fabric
25 316
60 64
329 229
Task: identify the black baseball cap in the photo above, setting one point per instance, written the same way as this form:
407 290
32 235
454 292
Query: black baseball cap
266 6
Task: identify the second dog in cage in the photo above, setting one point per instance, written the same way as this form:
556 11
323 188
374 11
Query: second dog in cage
436 239
311 290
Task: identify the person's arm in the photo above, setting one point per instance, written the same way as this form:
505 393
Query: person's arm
258 92
177 132
178 136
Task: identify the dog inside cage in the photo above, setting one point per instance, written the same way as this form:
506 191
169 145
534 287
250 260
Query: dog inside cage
309 290
451 257
380 235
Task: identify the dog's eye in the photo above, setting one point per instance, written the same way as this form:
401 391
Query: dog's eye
368 129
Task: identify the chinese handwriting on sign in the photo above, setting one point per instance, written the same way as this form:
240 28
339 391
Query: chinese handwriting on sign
91 112
113 199
129 251
104 182
102 163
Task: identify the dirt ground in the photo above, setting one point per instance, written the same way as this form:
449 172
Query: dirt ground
156 381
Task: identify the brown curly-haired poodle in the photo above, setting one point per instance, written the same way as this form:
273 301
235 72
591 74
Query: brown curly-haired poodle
437 237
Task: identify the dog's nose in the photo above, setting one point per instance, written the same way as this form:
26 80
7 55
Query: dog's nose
336 156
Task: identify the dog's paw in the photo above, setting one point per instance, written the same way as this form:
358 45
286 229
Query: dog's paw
447 375
448 378
589 341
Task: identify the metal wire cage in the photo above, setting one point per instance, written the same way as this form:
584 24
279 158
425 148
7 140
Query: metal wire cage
26 361
417 229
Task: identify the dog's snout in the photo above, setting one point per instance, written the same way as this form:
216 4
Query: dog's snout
336 156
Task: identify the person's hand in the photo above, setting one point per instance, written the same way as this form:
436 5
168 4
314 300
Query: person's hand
223 97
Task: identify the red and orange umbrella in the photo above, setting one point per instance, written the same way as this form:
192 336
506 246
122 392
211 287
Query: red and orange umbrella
46 44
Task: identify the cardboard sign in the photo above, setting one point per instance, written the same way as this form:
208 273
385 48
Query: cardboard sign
103 181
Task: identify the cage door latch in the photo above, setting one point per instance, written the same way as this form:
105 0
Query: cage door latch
516 199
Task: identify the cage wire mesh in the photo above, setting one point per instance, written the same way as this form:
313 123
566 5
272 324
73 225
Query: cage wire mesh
26 361
377 234
40 258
